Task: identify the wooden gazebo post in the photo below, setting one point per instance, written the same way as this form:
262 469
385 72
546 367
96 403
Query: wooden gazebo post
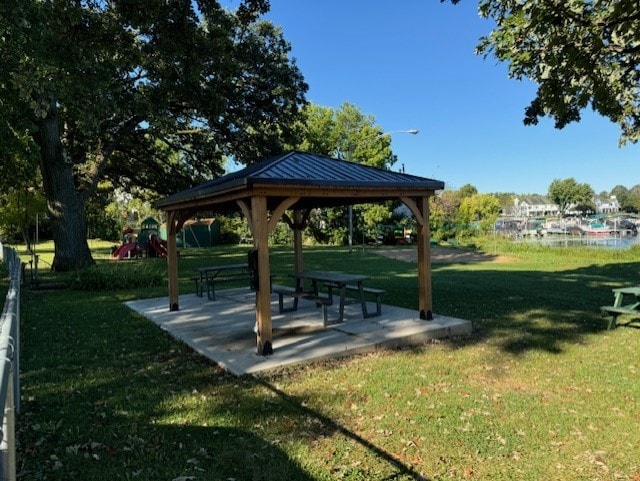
172 258
420 208
298 225
424 261
260 224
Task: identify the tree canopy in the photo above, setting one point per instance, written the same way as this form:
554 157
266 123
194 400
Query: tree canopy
146 94
481 208
346 133
349 134
569 192
580 53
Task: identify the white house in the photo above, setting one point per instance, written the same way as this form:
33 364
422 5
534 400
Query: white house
534 206
607 205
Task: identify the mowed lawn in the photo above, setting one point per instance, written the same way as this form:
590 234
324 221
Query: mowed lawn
541 390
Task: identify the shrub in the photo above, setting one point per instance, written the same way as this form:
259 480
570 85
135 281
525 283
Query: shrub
119 275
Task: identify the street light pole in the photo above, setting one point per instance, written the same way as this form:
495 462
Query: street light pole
350 207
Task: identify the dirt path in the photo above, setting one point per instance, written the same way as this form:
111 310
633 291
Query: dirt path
442 255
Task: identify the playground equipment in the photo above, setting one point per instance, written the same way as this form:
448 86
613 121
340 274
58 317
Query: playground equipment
129 247
146 242
197 233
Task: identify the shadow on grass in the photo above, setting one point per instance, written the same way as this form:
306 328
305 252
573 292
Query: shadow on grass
107 397
531 310
145 407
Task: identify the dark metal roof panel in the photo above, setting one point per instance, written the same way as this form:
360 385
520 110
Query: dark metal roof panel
304 168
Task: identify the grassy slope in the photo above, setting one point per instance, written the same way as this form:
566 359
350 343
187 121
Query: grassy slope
540 391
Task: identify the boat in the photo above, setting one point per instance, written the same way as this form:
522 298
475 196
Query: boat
600 229
564 229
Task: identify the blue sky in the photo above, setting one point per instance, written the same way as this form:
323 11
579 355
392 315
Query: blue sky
411 64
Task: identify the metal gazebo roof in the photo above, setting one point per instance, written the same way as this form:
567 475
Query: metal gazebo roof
322 181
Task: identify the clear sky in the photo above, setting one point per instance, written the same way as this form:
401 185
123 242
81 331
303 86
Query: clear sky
411 64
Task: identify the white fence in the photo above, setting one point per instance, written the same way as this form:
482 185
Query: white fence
9 365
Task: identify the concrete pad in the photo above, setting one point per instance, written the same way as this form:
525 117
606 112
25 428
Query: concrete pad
223 330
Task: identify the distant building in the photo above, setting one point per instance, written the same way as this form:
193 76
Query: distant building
534 206
540 206
607 205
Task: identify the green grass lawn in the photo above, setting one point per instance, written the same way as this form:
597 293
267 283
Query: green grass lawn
540 390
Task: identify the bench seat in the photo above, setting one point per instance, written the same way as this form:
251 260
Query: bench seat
198 281
224 279
377 293
615 311
283 291
289 292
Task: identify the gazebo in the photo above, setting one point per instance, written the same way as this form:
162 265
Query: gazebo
289 187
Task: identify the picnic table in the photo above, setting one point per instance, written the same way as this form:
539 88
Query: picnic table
342 282
209 276
619 307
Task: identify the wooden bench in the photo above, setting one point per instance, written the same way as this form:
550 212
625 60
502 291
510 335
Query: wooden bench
615 311
289 292
245 275
198 282
283 291
378 293
211 288
619 307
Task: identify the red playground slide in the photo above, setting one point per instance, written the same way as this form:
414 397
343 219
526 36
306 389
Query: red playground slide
125 251
158 248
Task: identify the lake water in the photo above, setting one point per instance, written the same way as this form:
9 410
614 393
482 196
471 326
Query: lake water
608 242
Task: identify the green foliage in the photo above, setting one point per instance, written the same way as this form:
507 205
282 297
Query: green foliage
442 211
580 53
505 199
150 98
373 214
467 190
117 275
622 195
567 192
482 209
18 211
233 228
348 134
102 216
282 235
633 200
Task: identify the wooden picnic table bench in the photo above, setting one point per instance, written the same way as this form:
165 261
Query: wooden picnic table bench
283 291
210 276
618 308
362 290
342 282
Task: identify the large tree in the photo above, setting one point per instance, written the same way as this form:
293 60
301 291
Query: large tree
633 200
482 209
568 192
351 135
346 133
580 53
147 94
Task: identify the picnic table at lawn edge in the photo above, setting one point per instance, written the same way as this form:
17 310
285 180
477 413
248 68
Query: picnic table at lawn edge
618 308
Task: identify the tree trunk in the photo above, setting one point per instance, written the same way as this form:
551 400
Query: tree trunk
64 206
